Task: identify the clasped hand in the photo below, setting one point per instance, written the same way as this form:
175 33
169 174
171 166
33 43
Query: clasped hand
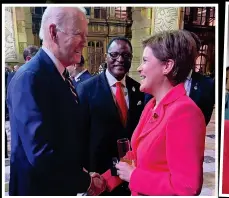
98 184
125 170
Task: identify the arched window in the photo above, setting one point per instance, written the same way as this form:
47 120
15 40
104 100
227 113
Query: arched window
121 12
95 53
201 21
200 16
204 49
100 12
36 13
91 44
99 44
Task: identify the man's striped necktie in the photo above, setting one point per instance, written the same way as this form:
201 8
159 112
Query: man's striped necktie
70 84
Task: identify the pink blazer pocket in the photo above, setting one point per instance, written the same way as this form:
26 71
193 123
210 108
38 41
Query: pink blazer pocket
112 181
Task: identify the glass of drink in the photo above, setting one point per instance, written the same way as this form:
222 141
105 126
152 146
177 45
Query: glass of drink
123 149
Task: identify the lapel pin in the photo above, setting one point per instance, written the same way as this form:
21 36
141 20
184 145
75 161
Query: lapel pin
139 103
155 116
133 89
195 87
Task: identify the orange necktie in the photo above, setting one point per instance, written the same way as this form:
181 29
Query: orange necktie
121 102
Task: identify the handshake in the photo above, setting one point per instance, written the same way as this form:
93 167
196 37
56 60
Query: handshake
97 186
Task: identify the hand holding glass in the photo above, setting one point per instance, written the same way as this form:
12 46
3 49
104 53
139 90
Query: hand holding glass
123 149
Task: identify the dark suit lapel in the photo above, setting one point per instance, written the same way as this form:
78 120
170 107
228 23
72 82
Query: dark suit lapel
74 82
131 104
83 76
132 90
195 90
86 73
46 62
48 65
58 82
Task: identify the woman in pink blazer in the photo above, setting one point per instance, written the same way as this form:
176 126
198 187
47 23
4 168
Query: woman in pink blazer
168 143
225 183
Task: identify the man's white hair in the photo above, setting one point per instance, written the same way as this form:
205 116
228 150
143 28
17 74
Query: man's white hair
55 15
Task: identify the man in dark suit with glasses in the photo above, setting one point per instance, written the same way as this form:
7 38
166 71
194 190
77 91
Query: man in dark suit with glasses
112 105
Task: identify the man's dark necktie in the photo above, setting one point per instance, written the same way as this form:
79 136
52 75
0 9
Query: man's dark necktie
70 84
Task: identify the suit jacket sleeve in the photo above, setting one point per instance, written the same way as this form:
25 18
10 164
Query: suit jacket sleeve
114 181
37 142
111 181
185 141
82 92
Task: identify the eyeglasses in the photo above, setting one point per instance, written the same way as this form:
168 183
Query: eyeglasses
116 55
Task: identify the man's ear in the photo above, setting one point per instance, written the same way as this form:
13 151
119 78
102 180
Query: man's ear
53 32
75 66
28 58
168 66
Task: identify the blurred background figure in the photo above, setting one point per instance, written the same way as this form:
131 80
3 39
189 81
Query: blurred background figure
78 72
7 71
201 88
102 67
227 76
11 74
30 52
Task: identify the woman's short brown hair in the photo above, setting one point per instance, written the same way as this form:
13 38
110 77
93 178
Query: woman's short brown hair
178 45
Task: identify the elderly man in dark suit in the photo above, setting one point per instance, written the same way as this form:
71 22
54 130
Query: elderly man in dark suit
78 73
47 139
112 106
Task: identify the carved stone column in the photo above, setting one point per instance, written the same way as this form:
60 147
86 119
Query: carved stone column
146 22
92 13
141 28
112 12
11 54
19 34
166 19
28 26
21 31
